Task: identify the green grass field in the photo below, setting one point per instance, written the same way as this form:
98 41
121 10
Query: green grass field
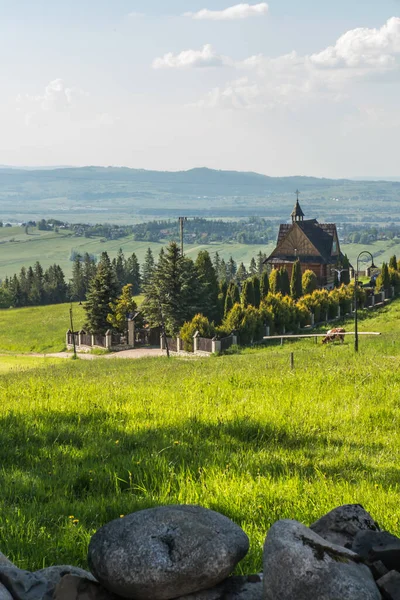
17 249
85 442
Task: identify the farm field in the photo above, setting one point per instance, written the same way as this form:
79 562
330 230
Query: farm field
50 248
86 442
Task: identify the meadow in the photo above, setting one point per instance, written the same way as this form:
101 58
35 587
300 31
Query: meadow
86 442
17 249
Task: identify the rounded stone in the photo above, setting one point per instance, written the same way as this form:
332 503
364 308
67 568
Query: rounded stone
166 552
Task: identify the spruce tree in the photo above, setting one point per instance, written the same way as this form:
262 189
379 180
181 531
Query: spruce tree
231 269
208 286
241 274
132 274
264 284
223 271
284 281
78 288
148 267
253 267
393 262
296 288
232 297
103 290
217 264
257 290
119 268
247 294
261 267
383 280
89 271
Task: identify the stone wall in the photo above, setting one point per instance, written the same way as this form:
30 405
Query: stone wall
189 552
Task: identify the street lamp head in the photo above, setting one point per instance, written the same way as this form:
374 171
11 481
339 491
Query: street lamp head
373 266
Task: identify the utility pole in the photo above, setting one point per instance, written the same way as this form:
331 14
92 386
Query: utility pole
72 329
181 225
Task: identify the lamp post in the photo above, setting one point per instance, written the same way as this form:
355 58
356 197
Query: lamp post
355 296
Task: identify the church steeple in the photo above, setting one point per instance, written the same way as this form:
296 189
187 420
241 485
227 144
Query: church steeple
297 213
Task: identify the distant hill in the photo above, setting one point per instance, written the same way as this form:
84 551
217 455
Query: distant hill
119 194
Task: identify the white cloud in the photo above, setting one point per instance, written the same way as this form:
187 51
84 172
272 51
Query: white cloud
206 57
292 80
135 15
239 11
363 47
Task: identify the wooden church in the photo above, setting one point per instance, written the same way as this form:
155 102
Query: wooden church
315 244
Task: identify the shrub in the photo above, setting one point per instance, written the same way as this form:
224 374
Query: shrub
309 282
199 323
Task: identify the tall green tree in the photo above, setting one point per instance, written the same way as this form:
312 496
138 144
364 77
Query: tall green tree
119 268
275 281
345 277
253 267
148 267
223 271
261 267
231 269
103 291
257 290
247 296
121 308
284 281
393 262
173 292
241 273
296 288
132 274
264 284
78 287
89 270
217 264
232 297
309 282
383 280
208 286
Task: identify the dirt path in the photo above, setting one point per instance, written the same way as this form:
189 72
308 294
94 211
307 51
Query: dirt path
127 354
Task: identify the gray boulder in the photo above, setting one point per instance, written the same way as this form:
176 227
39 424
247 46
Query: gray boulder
166 552
341 525
233 588
4 593
71 587
53 575
389 585
4 562
300 565
23 585
378 546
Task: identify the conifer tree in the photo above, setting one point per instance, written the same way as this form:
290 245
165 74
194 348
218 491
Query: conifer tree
231 269
275 281
119 268
383 280
89 270
103 290
78 288
232 297
247 296
393 262
253 267
241 274
223 271
208 286
261 267
284 282
345 277
223 289
309 282
123 306
148 267
296 289
132 274
257 291
217 264
264 284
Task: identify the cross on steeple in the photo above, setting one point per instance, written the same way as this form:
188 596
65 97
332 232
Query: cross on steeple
297 213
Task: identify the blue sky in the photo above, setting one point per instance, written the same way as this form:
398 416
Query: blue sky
285 88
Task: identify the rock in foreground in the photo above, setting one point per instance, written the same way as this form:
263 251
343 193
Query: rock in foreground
166 552
300 565
341 525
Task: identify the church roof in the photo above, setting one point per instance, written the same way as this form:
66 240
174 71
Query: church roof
320 236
